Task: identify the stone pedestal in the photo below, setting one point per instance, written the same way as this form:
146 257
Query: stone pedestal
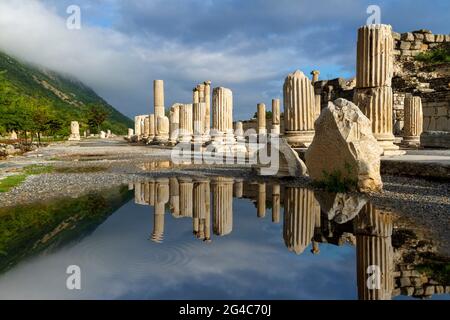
413 126
74 131
186 123
373 93
276 117
299 109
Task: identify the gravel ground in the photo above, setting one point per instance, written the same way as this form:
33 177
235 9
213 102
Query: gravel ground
422 202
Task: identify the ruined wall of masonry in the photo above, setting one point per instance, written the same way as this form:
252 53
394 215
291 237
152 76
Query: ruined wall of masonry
410 44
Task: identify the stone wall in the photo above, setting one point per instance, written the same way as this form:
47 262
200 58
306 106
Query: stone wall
410 44
436 111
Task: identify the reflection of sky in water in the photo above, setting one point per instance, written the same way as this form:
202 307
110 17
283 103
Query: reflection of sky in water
119 261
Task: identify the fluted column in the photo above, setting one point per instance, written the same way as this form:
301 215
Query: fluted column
301 209
146 127
261 201
223 115
373 231
158 102
151 126
276 116
186 192
238 188
276 203
222 205
161 198
374 71
174 197
186 123
207 121
174 118
261 119
198 125
413 121
202 209
299 109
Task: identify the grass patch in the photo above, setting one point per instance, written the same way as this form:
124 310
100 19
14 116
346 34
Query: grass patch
336 181
10 182
438 271
437 55
37 169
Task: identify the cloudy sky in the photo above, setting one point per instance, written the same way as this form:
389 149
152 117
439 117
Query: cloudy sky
248 46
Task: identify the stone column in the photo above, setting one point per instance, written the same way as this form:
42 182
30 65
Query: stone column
373 231
238 188
74 131
222 205
158 103
276 116
146 127
174 197
239 131
137 126
373 93
202 209
129 135
261 119
174 123
315 76
198 125
413 121
207 121
163 129
301 208
223 115
151 130
276 203
299 109
186 193
161 198
261 202
186 123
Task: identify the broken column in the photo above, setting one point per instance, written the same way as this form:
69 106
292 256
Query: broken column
239 131
373 93
261 119
222 114
222 205
317 97
276 117
158 103
413 121
299 109
74 131
315 75
186 123
174 123
198 115
129 135
151 127
146 127
207 121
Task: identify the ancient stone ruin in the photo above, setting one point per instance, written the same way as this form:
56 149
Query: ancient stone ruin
344 148
74 131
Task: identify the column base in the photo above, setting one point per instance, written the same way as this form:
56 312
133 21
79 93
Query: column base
298 139
389 148
275 129
411 141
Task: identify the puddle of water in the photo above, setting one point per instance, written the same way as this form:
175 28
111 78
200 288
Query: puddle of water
210 238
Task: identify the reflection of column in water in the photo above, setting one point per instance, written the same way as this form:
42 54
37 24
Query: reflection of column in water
373 230
222 189
151 193
137 193
276 199
162 197
301 210
174 197
317 229
130 186
238 188
186 191
202 210
261 206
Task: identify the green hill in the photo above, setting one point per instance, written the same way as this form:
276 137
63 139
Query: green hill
38 100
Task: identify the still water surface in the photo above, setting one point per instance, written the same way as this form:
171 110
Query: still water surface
199 238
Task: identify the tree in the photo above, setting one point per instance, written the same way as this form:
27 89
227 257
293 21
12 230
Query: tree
96 116
40 120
